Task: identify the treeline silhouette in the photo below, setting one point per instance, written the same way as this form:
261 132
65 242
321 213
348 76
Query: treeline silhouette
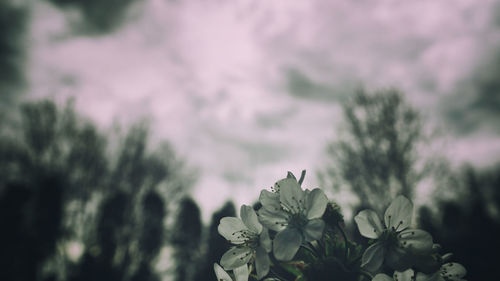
377 158
469 226
77 204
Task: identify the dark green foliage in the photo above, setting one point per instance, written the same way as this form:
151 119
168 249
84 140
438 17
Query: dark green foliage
376 157
185 239
30 219
57 185
54 140
469 226
101 16
13 22
111 256
151 229
333 257
130 230
48 159
216 244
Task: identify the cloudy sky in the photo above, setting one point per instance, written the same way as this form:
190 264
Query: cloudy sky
246 90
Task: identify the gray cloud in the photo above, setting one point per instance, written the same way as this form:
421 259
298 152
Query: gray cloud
277 119
476 103
100 16
300 85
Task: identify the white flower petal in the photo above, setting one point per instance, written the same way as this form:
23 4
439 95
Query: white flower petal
231 228
235 257
291 195
416 240
249 218
241 273
313 230
373 257
398 214
270 200
382 277
276 221
286 244
406 275
262 262
453 271
369 224
221 274
316 203
265 240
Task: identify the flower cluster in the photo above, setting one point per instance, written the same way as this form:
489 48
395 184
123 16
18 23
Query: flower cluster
293 214
298 233
402 248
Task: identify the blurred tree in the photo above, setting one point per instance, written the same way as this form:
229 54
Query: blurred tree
185 239
41 169
216 244
57 186
130 228
151 235
30 220
469 225
377 157
13 23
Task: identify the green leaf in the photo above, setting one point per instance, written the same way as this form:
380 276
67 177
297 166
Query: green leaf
292 268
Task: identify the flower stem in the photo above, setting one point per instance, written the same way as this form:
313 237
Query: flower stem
302 176
310 249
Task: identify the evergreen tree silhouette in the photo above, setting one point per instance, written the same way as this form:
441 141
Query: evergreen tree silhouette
13 26
30 219
185 240
57 185
216 244
151 235
466 226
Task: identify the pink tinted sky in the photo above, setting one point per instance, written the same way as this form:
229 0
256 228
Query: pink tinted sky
212 76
